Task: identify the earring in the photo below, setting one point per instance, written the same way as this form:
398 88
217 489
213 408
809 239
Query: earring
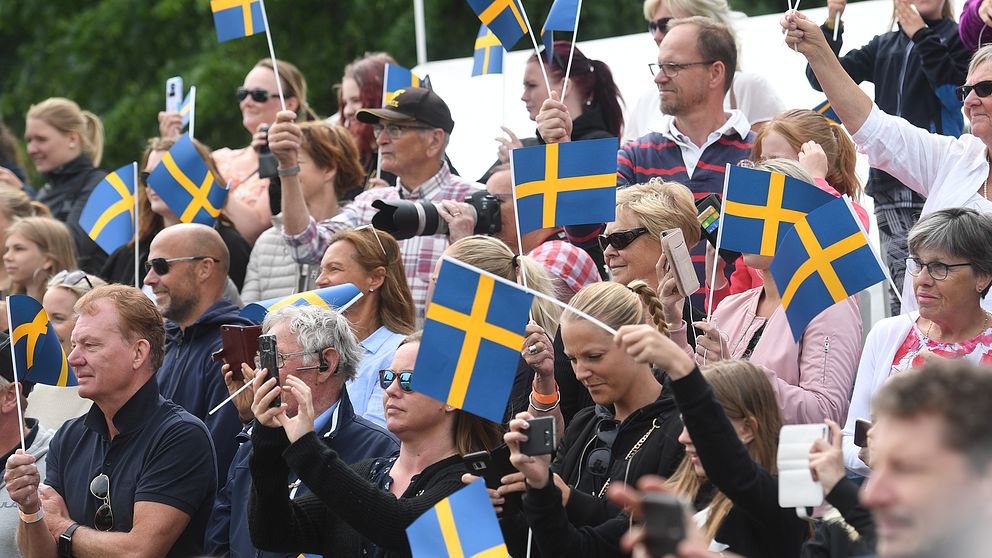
371 289
72 145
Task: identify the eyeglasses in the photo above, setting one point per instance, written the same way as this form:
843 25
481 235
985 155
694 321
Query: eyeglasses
982 89
394 131
281 359
599 460
387 376
100 489
660 24
374 233
672 69
258 94
162 267
70 278
937 270
620 239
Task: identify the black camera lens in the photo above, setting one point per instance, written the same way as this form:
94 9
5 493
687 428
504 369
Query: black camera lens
406 219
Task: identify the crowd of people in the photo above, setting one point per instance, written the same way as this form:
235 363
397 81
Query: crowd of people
335 453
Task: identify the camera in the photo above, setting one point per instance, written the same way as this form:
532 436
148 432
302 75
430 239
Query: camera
268 167
407 219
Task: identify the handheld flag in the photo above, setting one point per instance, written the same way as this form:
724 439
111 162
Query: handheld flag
328 297
186 185
563 16
570 183
235 19
827 111
504 17
473 335
463 525
488 54
762 206
824 259
108 217
188 107
397 78
38 355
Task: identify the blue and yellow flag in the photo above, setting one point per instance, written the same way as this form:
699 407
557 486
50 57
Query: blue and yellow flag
38 354
563 16
473 335
462 525
762 206
488 54
188 107
235 19
571 183
186 185
328 297
504 17
827 111
824 259
397 78
108 217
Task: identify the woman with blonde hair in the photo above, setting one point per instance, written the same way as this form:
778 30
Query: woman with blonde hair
66 145
15 204
37 249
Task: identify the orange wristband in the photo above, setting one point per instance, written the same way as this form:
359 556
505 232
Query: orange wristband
542 398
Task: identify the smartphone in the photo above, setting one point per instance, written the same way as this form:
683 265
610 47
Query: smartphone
173 94
664 523
240 345
796 487
492 467
267 359
861 427
540 437
679 261
708 215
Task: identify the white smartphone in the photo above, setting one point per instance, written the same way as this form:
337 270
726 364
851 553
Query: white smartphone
679 261
796 487
173 94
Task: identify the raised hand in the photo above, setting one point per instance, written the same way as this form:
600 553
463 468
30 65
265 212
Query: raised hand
553 122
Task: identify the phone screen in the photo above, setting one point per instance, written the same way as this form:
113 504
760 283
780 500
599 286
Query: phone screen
709 219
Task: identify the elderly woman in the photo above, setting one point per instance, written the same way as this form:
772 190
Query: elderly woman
947 171
951 266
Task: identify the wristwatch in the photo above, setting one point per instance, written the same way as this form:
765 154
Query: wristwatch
65 541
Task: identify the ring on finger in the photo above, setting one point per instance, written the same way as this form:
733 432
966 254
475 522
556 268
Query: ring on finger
532 350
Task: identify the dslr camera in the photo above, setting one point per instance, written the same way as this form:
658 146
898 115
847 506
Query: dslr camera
407 219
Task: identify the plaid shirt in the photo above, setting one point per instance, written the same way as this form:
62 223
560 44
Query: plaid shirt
419 253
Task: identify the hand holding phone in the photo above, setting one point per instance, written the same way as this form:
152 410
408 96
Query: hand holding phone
493 466
540 437
664 523
796 487
679 261
173 94
267 359
240 344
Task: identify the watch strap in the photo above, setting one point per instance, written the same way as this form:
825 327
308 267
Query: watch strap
65 541
291 171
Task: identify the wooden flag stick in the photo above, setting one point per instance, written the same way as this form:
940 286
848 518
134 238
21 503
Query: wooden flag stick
17 382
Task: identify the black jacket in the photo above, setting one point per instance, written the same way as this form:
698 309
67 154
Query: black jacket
831 539
66 193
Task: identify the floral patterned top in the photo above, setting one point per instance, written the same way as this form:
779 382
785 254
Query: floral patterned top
911 354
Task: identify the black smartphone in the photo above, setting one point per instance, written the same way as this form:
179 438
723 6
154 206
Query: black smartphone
664 523
708 213
540 437
861 427
492 467
267 359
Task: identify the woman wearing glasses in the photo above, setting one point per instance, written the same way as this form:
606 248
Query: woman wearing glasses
365 508
951 267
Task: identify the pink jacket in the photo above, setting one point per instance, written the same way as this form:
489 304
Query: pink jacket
812 378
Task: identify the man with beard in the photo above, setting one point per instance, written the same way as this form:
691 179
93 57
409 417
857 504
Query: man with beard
187 271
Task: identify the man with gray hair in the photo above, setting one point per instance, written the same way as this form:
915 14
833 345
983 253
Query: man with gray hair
316 345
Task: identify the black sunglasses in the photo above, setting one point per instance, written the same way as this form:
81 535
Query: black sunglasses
258 94
162 267
387 376
620 239
599 460
982 89
660 24
100 489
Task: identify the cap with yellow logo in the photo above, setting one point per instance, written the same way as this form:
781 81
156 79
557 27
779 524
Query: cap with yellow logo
412 103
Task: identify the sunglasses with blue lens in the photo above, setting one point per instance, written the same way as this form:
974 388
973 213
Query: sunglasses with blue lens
387 376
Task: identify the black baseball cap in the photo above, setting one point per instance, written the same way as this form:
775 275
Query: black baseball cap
412 103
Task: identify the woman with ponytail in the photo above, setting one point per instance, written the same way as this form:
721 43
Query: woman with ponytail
66 145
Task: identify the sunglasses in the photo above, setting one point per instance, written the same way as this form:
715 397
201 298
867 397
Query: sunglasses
387 376
982 89
70 278
660 24
100 489
620 239
162 267
258 94
599 460
374 233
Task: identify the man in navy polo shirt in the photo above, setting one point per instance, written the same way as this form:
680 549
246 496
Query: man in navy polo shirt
137 471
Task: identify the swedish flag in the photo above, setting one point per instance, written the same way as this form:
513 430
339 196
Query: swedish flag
108 217
504 17
824 259
461 525
761 207
186 185
488 54
572 183
396 78
188 107
563 16
235 19
827 111
328 297
473 336
37 352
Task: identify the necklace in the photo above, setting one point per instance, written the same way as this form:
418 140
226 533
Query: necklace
985 325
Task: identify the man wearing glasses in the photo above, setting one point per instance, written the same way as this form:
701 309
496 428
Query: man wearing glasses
317 346
187 272
136 471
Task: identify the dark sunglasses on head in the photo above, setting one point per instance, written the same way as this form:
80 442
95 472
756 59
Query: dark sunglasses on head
100 489
982 89
387 376
620 239
660 24
161 265
599 460
258 94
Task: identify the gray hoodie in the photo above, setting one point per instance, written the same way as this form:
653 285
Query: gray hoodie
9 519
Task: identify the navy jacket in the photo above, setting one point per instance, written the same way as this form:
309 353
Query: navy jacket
192 379
352 437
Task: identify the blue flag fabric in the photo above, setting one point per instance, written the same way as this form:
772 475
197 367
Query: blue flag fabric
235 19
472 339
186 185
488 54
188 107
328 297
37 350
504 17
563 16
398 78
824 259
827 111
463 525
761 207
572 183
108 217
